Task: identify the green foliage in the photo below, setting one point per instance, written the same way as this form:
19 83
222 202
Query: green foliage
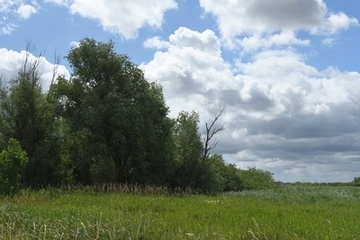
356 180
228 176
187 140
12 160
119 116
190 171
27 115
256 179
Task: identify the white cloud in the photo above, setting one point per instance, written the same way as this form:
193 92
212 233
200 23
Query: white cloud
11 8
25 11
281 114
258 19
6 5
124 17
156 42
75 44
65 3
6 27
338 21
257 41
191 67
329 41
11 62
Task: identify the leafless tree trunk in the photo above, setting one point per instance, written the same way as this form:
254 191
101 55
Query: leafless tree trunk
211 131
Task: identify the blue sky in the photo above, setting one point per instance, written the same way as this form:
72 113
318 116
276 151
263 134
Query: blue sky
287 70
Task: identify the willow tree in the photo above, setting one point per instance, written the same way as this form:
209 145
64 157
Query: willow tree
117 119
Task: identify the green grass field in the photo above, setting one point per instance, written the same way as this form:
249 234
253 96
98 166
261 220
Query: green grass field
286 212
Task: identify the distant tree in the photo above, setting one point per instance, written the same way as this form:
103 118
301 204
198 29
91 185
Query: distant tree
116 120
12 160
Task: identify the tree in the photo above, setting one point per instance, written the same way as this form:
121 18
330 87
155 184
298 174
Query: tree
27 116
116 118
12 160
211 131
190 170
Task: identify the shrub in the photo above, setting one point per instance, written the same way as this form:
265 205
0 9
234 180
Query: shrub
227 174
12 160
257 179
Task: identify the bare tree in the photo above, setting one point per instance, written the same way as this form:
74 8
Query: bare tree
54 74
211 131
31 67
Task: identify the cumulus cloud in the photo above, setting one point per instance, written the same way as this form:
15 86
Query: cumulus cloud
261 18
281 114
156 42
256 41
124 17
25 11
191 67
11 62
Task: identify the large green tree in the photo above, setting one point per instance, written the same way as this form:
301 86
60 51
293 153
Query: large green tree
117 120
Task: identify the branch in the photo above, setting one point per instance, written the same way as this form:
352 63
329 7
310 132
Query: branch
31 68
55 73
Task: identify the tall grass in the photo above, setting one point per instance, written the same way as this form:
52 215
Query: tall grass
88 213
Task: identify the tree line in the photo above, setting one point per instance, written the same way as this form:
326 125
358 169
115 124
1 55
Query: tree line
106 123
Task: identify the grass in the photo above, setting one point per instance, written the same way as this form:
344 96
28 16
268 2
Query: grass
283 213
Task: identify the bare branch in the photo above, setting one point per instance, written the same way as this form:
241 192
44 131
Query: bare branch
31 68
55 73
211 131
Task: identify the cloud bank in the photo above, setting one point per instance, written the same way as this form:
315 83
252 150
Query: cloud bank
281 114
262 19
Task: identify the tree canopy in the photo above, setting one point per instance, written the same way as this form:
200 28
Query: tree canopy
110 104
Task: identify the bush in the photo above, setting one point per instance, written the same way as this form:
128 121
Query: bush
257 179
227 174
12 160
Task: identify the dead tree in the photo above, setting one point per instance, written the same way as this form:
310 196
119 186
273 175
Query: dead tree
211 131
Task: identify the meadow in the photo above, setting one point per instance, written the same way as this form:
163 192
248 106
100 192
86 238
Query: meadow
285 212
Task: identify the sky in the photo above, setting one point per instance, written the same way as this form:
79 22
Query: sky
287 71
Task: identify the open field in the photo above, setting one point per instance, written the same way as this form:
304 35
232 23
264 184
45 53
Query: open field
286 212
